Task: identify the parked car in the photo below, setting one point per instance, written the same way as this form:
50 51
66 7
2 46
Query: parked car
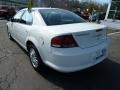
7 12
93 18
84 15
97 16
10 13
3 13
59 39
77 12
102 15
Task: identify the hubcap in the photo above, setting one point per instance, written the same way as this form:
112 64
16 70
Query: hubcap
33 58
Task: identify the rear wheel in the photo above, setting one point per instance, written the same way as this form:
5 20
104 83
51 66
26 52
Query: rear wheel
35 58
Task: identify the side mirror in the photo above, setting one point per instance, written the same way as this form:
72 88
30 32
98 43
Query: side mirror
9 19
12 19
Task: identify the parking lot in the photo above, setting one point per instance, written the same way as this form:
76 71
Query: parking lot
16 72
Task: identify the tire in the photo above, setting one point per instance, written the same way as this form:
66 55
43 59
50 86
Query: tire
9 35
35 58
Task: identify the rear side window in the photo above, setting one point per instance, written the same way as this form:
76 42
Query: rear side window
59 17
18 16
27 18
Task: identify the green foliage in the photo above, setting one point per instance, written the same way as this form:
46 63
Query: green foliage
88 4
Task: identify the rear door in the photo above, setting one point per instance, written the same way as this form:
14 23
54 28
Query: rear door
15 24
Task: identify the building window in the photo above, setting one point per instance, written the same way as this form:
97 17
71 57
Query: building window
114 12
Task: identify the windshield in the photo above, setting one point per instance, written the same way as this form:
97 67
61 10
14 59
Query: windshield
59 17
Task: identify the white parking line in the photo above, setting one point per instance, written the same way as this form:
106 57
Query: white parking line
113 33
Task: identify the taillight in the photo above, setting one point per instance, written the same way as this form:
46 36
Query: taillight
65 41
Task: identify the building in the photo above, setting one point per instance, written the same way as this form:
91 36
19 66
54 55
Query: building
18 4
113 12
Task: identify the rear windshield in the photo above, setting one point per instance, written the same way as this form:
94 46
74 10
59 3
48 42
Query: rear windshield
59 17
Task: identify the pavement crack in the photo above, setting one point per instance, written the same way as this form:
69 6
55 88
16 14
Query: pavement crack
9 79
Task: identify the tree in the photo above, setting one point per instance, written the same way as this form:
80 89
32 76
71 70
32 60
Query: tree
73 4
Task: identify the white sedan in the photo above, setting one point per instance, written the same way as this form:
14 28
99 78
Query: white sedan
59 39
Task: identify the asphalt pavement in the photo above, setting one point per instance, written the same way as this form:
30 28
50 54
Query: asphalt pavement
16 72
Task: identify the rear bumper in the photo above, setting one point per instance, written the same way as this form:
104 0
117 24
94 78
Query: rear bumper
75 59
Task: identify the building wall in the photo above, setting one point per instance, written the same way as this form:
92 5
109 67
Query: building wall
114 11
13 3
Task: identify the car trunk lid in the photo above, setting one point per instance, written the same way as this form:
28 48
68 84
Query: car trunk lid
90 38
85 34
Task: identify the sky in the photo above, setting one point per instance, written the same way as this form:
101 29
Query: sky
100 1
103 1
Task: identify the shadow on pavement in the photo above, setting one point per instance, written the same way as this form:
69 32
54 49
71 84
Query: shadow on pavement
104 76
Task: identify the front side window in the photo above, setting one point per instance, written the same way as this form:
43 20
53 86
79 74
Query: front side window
59 17
27 18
